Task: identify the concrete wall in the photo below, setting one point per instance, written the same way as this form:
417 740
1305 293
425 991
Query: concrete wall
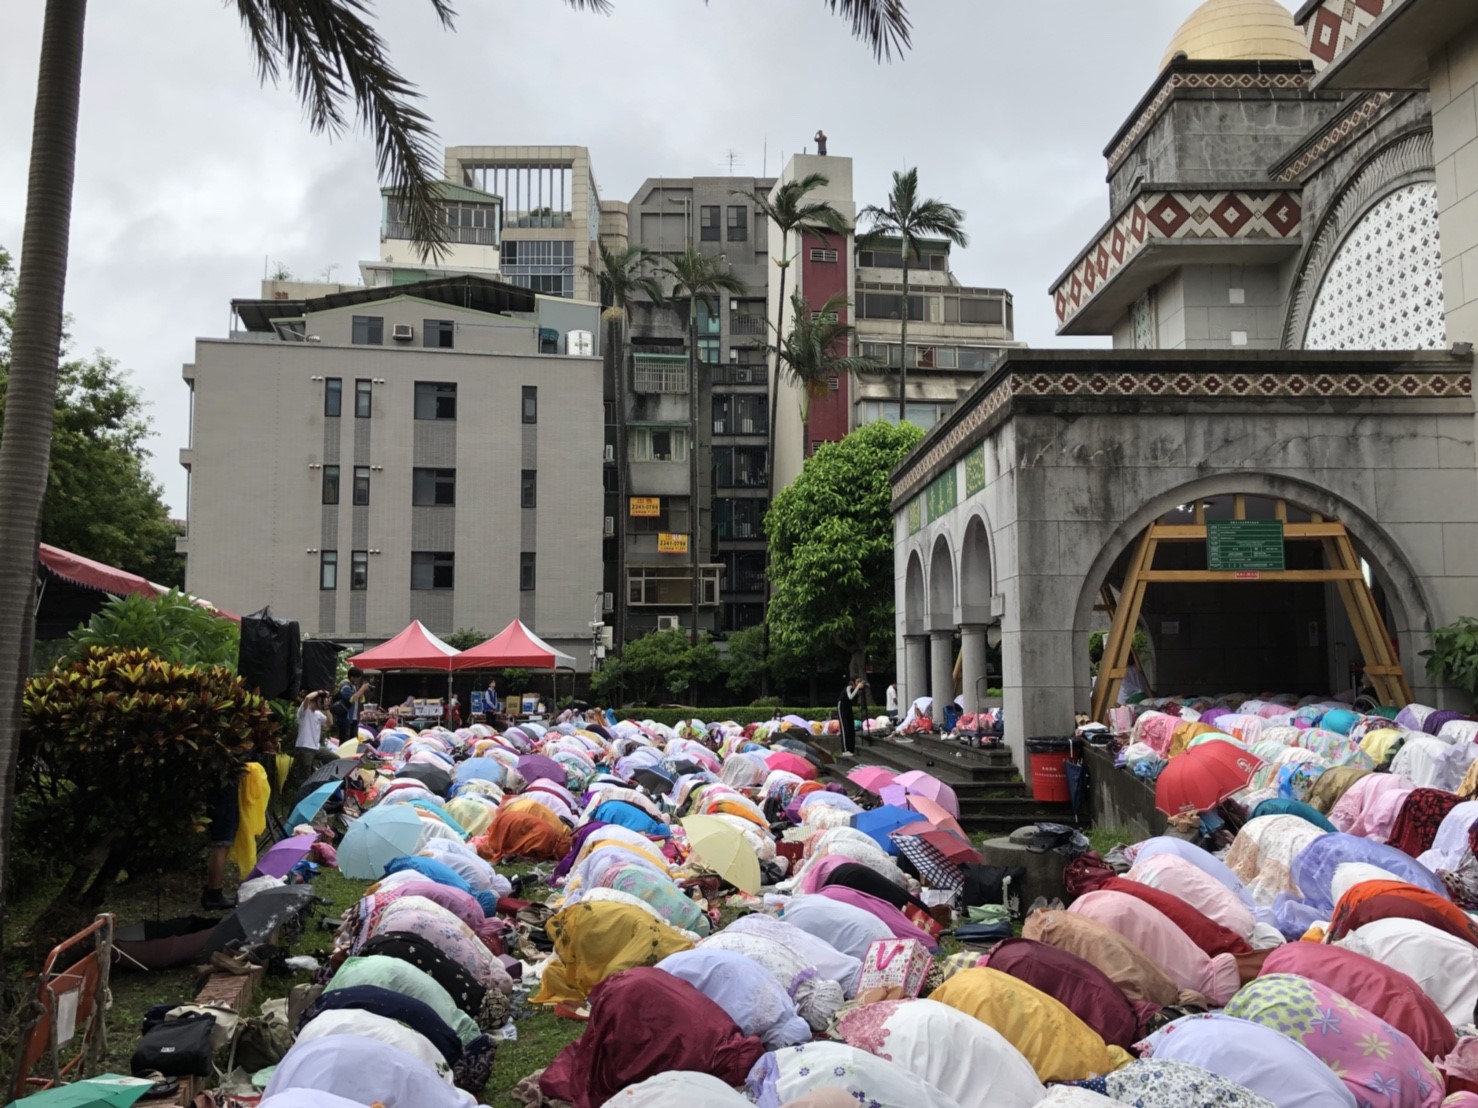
257 521
1454 96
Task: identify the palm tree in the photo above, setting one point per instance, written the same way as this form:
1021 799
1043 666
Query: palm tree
697 277
811 356
909 219
622 275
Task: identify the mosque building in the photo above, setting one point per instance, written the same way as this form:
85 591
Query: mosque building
1272 474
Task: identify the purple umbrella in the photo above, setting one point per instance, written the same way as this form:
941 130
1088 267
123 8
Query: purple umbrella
279 859
535 767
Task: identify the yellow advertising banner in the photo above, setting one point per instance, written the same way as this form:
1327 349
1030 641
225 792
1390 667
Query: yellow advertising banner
646 507
672 544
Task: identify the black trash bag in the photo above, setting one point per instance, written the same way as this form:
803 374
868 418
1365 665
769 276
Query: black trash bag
270 657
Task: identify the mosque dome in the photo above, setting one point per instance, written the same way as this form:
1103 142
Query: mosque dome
1239 30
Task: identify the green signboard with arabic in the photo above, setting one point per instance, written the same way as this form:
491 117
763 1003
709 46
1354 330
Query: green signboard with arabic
975 470
942 495
915 515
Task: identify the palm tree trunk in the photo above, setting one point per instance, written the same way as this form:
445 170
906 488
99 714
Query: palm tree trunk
616 353
774 388
693 513
903 349
25 447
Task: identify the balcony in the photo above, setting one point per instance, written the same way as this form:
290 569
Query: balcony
467 236
747 325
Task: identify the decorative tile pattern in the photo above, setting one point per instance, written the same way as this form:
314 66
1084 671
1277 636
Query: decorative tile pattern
1336 135
1177 81
1146 325
1383 291
1257 384
1338 24
1167 216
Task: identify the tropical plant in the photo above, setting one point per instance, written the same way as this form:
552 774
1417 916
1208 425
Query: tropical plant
659 665
465 638
126 749
831 539
623 275
812 355
908 219
697 277
1453 658
333 57
170 626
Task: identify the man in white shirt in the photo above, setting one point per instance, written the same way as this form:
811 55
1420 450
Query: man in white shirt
308 750
892 703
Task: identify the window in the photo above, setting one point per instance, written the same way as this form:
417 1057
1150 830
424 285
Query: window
368 330
363 398
738 223
673 518
660 373
888 305
361 485
708 351
739 519
980 310
333 396
670 586
528 492
531 403
526 572
437 333
820 254
330 484
545 266
328 569
659 444
709 223
744 571
433 488
436 400
359 570
740 467
434 570
746 317
740 414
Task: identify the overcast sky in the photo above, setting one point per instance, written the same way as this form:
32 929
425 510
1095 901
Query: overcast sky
189 175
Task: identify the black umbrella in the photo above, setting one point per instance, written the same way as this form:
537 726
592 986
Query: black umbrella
336 770
257 919
435 779
652 779
681 766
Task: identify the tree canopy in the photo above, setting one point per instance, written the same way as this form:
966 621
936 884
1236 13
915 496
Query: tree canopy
101 501
831 548
658 666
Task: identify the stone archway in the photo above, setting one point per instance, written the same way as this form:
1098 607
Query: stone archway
977 583
915 602
941 587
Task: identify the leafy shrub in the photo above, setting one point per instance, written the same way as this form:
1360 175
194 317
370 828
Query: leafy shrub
657 666
771 702
1453 658
171 626
670 716
126 748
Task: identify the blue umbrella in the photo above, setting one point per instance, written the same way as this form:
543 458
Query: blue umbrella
377 838
312 804
437 811
482 769
880 823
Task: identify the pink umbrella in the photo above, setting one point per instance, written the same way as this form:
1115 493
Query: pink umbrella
934 814
871 778
793 763
894 794
919 783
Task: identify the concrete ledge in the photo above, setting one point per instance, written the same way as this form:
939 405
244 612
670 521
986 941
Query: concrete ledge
1119 799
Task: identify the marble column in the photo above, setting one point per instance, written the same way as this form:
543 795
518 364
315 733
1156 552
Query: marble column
942 672
915 671
972 664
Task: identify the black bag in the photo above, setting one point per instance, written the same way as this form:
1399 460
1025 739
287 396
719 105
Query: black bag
179 1047
982 934
270 658
994 885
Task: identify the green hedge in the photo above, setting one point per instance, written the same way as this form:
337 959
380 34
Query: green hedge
670 716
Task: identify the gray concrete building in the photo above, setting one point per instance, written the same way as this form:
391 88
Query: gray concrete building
371 456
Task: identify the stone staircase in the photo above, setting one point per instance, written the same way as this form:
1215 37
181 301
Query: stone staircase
994 800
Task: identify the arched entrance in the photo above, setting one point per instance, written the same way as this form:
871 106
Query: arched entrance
941 629
977 584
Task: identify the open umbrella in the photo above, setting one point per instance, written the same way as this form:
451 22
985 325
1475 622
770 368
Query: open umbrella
724 850
895 794
108 1091
482 769
1202 778
336 770
791 763
377 838
935 814
654 780
279 858
309 807
919 783
796 721
536 767
435 778
259 917
950 846
871 778
681 766
935 870
880 823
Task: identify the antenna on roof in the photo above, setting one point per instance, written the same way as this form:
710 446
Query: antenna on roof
732 157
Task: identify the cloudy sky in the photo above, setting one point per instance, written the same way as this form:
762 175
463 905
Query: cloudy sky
190 175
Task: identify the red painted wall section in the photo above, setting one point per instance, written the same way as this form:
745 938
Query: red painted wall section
829 419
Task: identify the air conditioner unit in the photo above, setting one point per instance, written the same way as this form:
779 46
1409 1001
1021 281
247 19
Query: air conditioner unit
402 332
743 376
669 623
610 526
610 455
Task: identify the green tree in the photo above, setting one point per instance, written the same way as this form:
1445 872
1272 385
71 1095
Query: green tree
172 627
908 219
831 547
1453 657
623 276
697 277
659 665
814 352
465 638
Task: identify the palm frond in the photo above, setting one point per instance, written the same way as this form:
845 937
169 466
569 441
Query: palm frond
600 7
941 220
882 24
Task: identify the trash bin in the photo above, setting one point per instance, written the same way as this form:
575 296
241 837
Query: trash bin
1049 757
951 717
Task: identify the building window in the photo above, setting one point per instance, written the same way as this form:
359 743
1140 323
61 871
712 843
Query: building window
738 223
359 570
433 488
361 486
660 373
433 570
333 396
821 254
747 317
437 333
740 414
739 519
369 330
740 467
547 267
526 572
330 484
670 586
710 228
436 400
363 398
531 403
328 569
529 488
659 444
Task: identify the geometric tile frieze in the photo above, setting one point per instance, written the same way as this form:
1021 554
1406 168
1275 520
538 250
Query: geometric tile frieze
1336 135
1338 24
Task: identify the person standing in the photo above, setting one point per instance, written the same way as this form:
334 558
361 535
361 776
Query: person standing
455 712
892 701
490 700
352 693
850 696
308 750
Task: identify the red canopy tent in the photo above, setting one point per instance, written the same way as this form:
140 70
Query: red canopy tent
72 588
514 646
413 648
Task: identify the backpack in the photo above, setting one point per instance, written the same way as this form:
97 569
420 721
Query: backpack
994 885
